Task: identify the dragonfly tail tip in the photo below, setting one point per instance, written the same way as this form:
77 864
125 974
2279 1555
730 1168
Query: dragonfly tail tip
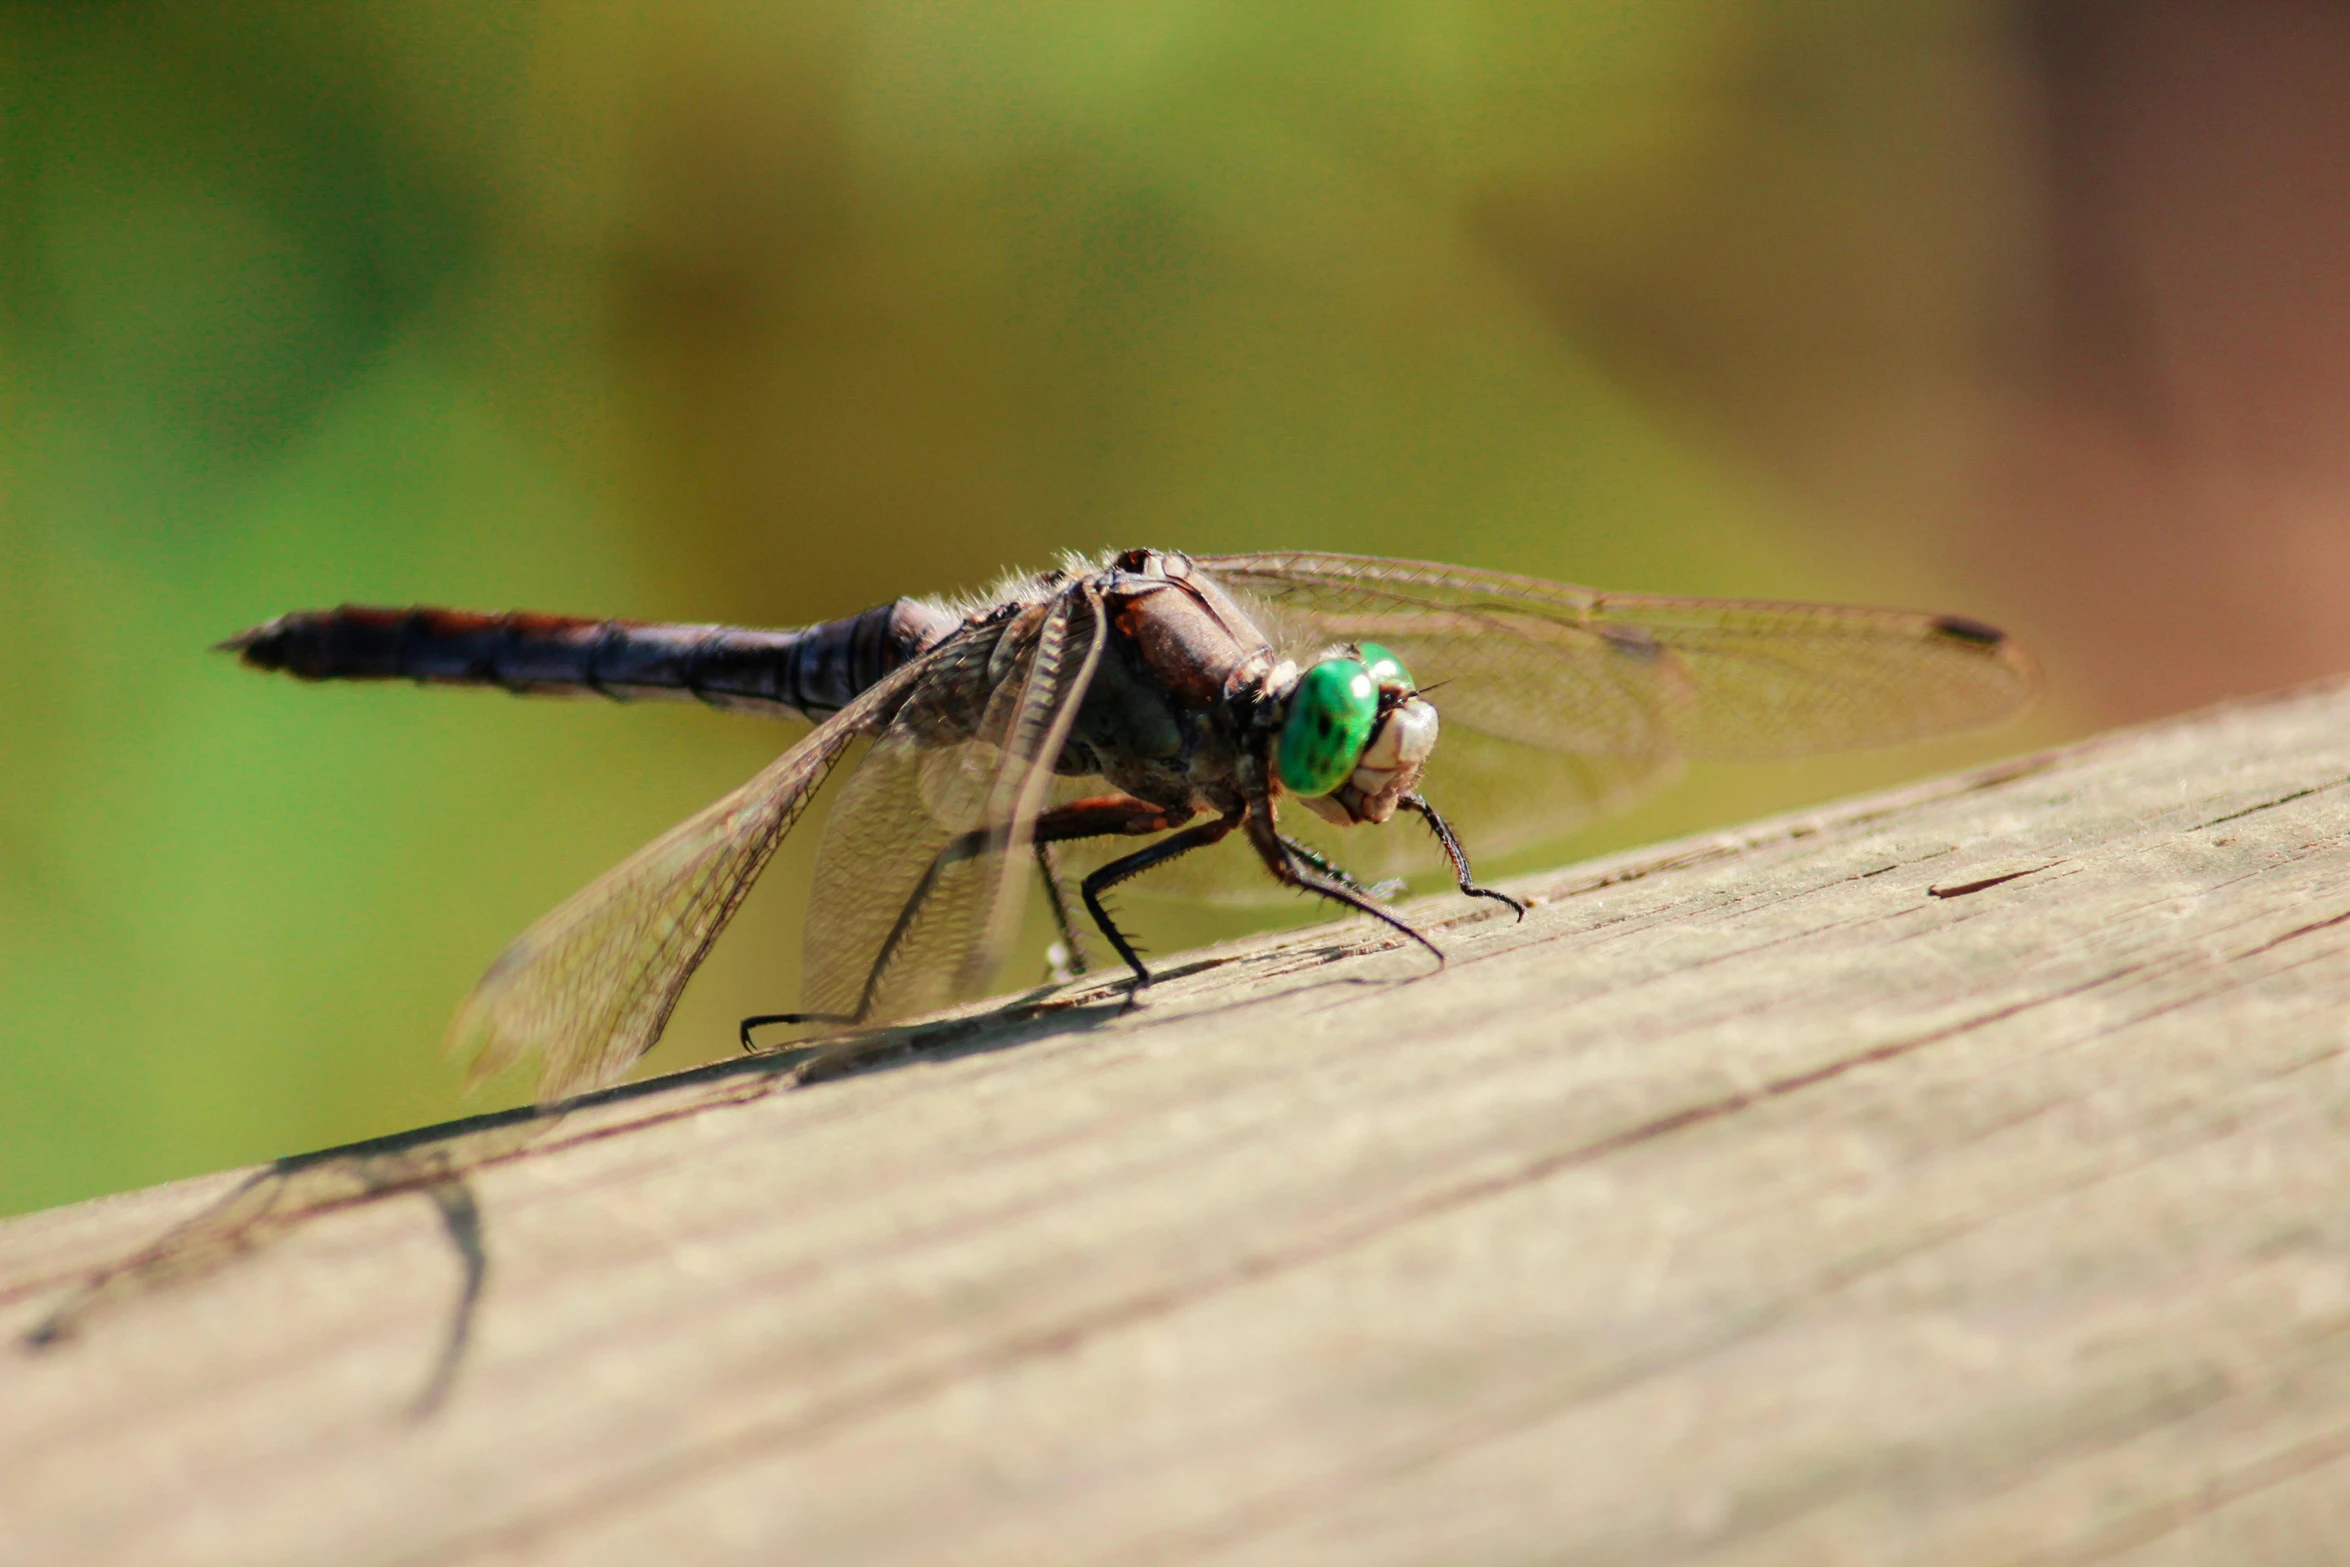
256 645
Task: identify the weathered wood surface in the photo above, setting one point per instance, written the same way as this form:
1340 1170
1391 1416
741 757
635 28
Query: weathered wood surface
1960 1176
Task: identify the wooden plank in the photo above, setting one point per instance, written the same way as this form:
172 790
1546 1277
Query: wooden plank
1953 1175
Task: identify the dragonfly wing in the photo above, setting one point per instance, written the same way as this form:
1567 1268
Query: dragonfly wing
591 985
924 867
1565 668
1561 703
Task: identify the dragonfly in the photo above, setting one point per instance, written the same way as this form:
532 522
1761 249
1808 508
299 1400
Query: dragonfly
1138 707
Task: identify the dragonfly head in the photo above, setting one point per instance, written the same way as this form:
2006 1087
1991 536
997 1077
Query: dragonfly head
1356 736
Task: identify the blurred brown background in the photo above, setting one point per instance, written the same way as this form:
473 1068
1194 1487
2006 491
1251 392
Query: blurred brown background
767 312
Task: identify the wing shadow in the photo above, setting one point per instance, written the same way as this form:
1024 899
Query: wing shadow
436 1163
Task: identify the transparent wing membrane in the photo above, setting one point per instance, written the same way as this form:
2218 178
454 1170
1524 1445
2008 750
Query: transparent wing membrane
1569 669
924 867
590 986
1560 704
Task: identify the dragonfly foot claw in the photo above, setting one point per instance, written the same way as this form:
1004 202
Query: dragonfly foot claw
1516 906
779 1018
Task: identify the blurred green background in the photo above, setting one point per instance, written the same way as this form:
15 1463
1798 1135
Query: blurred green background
763 313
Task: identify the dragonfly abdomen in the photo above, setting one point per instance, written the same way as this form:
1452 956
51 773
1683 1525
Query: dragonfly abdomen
804 673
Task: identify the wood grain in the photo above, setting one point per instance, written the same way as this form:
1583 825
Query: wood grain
1959 1175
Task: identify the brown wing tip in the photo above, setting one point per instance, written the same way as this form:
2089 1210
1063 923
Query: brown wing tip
1960 629
1989 642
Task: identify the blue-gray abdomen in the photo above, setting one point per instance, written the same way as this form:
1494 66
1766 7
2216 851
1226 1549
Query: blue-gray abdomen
804 673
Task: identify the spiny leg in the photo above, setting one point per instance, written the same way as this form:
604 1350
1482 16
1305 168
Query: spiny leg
1057 897
1102 880
1293 864
1291 871
1318 861
954 852
1107 816
1452 852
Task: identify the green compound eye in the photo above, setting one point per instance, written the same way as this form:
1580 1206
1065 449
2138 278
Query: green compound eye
1387 670
1329 722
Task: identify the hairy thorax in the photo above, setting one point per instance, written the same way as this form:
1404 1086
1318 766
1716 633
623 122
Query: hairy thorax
1158 721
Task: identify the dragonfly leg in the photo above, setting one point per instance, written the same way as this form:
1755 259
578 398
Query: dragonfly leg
1291 870
1452 852
1108 876
1057 897
960 849
765 1018
1107 816
1314 858
956 850
1086 818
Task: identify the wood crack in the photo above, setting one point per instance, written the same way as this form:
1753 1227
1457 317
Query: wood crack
2270 805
